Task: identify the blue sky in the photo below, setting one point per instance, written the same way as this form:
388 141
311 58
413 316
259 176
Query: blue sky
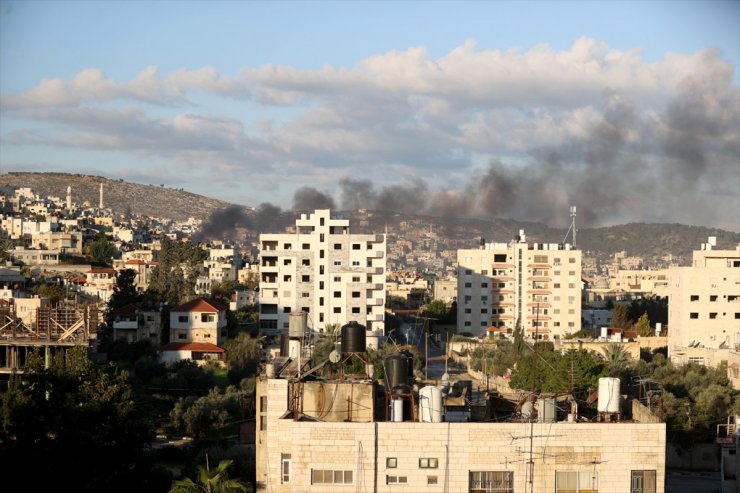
511 109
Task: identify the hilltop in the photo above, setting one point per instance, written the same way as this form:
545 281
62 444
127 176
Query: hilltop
650 241
119 195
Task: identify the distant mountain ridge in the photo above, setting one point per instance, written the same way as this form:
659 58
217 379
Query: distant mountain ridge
636 239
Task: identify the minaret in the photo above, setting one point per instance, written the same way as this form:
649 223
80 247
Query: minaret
101 206
69 198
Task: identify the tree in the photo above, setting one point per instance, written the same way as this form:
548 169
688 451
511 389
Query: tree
621 317
616 357
642 326
124 292
242 356
72 413
201 417
519 343
211 481
102 250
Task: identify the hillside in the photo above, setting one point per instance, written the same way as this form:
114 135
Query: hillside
636 239
119 195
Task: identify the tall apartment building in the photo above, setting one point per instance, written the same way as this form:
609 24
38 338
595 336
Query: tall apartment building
322 269
704 306
539 285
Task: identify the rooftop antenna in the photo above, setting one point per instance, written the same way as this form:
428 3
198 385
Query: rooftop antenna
572 225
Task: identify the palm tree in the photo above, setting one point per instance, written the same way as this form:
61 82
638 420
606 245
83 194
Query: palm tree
616 357
216 481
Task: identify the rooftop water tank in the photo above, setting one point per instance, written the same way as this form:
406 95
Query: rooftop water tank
396 370
353 338
397 410
608 395
430 404
284 345
297 324
546 410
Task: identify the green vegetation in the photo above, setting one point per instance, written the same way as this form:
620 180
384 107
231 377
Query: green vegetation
211 481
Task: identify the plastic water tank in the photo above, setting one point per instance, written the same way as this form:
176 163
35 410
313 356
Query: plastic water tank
297 324
396 370
527 408
397 410
294 350
270 370
608 395
546 410
353 338
430 404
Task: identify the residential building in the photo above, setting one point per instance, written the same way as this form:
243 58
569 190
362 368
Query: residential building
322 269
367 438
137 322
704 307
198 320
99 282
538 285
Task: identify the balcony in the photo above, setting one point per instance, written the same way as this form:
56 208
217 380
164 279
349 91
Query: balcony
374 301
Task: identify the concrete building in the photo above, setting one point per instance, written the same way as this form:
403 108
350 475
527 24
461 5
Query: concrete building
445 290
309 442
704 307
537 284
322 269
198 320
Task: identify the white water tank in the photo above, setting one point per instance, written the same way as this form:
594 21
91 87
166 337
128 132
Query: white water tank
546 410
270 370
608 395
430 404
604 332
658 329
397 410
527 408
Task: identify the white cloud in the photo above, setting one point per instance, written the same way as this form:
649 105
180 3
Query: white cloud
588 115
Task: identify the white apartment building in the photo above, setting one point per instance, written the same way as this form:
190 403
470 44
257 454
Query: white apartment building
322 269
539 285
704 306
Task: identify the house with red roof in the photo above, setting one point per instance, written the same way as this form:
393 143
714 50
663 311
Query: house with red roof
201 322
99 282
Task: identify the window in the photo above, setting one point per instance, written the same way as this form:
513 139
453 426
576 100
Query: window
288 246
576 482
321 301
337 294
355 309
355 294
328 476
321 284
286 309
337 309
337 279
396 480
305 295
484 272
305 278
713 315
321 253
643 482
484 310
484 285
285 468
572 285
207 317
337 246
468 284
468 272
431 479
540 259
499 257
571 273
391 462
355 278
287 261
355 246
337 263
428 463
306 262
556 285
287 278
182 336
694 315
182 318
306 246
694 297
571 260
468 310
491 482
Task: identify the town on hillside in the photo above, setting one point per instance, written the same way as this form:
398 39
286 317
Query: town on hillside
366 358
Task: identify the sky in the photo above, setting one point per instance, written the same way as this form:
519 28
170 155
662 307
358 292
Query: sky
629 110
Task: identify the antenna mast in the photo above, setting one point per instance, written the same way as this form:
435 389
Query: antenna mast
572 225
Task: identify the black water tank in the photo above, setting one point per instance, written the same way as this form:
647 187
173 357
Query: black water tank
410 356
396 370
353 338
285 345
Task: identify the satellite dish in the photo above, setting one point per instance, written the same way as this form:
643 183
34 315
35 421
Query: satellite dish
335 356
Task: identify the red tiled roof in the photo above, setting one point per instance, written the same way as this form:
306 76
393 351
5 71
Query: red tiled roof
138 261
129 309
199 347
200 305
102 270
